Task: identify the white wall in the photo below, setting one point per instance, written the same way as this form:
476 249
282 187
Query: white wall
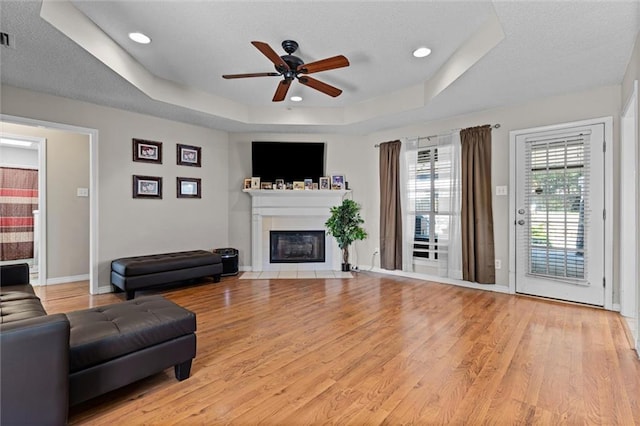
130 226
21 157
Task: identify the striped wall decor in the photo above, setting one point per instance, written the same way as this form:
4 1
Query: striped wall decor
18 200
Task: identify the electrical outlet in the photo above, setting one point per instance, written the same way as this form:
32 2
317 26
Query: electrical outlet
498 264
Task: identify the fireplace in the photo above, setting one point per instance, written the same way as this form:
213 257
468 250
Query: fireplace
291 211
296 246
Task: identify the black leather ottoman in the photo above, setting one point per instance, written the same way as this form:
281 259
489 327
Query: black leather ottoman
143 272
114 345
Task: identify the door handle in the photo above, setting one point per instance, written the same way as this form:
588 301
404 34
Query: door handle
521 211
521 222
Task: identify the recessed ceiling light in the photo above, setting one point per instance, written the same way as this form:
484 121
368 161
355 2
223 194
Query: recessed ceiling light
140 38
14 142
421 52
296 98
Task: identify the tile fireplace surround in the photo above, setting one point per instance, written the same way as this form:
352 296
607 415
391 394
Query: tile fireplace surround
291 211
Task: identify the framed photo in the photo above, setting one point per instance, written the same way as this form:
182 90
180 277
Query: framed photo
147 187
147 151
308 184
325 182
315 186
266 185
188 155
288 185
255 183
247 183
337 182
297 185
188 187
279 184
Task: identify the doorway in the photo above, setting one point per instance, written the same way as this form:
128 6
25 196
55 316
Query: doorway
92 136
23 203
558 210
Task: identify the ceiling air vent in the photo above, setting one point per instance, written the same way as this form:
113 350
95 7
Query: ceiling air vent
6 40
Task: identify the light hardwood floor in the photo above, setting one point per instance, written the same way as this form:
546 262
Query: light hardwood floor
378 350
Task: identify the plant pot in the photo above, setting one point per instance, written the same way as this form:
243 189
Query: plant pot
346 267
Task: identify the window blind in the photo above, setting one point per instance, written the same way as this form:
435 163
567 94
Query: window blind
557 197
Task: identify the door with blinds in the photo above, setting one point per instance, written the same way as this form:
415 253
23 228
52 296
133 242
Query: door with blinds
559 218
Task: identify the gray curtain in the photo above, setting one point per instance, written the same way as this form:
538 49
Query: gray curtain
478 252
390 210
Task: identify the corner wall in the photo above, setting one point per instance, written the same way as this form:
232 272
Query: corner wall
130 226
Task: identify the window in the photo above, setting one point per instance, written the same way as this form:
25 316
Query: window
432 201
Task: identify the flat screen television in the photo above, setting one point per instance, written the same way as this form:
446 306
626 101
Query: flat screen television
291 161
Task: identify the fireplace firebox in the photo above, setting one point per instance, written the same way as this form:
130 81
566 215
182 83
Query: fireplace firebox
296 246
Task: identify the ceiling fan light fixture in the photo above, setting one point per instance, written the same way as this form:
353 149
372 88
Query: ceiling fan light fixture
140 38
421 52
296 98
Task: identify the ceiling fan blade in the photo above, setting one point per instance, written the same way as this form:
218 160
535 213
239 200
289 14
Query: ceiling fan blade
281 91
255 74
319 85
271 54
324 65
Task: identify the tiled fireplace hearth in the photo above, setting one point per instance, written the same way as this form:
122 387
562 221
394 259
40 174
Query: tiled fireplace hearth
302 210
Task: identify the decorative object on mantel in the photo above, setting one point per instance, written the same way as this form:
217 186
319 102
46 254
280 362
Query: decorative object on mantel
247 183
147 187
266 185
297 185
325 182
188 155
255 183
188 187
280 184
337 182
147 151
344 225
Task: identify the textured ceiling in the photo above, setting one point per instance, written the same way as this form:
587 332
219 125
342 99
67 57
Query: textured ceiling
549 48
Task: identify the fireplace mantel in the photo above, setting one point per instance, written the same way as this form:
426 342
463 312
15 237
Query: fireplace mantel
292 210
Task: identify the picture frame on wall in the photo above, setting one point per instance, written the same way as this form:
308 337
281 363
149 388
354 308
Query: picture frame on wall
325 183
337 182
188 155
147 187
188 187
147 151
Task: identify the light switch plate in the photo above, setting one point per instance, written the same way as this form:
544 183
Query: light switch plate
83 192
501 190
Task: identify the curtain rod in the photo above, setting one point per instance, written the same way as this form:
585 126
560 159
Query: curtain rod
495 126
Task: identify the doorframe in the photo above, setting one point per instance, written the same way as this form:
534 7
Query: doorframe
42 200
93 186
608 199
629 115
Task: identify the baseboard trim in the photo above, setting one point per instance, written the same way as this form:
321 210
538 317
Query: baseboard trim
65 280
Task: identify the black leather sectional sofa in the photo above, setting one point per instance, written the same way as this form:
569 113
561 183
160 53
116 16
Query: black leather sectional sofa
49 362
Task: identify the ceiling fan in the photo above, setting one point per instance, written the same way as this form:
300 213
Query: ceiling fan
291 67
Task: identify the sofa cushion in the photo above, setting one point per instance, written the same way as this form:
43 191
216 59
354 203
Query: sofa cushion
107 332
20 306
141 265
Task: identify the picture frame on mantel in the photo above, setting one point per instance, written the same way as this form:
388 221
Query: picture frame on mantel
147 151
189 155
147 187
337 182
188 187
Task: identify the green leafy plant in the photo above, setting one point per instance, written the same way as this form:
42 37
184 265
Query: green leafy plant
344 225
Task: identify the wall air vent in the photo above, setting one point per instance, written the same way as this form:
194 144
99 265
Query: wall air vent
6 40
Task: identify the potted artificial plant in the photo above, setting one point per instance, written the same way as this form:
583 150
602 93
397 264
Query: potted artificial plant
344 225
